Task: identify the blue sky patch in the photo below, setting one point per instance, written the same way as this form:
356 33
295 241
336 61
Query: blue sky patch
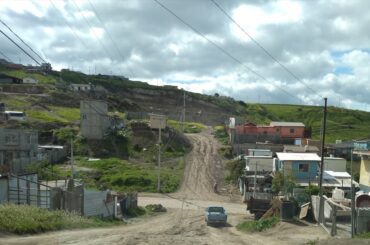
343 70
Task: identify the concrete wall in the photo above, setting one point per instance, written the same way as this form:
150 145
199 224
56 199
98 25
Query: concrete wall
262 163
365 173
23 190
94 118
96 204
335 164
293 167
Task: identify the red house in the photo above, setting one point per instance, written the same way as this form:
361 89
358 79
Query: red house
284 130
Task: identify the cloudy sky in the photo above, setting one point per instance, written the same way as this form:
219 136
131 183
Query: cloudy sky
323 47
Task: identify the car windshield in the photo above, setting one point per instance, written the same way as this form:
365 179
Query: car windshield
216 209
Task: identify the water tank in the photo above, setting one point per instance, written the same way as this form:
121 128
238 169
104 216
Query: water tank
287 210
338 195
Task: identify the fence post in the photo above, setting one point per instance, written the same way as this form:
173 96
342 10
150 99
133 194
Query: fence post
38 195
18 194
28 193
334 221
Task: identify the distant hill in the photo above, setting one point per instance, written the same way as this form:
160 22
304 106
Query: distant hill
61 106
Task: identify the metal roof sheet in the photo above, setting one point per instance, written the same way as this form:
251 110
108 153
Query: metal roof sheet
288 156
287 124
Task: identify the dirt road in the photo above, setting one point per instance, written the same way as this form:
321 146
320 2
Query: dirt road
184 221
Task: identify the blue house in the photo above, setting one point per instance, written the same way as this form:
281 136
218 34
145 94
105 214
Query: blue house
362 145
303 166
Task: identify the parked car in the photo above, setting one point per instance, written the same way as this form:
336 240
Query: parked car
215 215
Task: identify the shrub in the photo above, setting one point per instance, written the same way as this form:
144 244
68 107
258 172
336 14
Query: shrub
259 225
22 219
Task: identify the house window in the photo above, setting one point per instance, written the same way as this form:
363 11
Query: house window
11 139
303 167
84 116
291 130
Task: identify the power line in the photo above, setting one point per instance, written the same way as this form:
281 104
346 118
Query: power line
109 35
222 49
93 32
263 49
15 34
72 30
20 47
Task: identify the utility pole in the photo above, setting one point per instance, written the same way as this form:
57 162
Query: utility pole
72 170
159 161
183 115
321 206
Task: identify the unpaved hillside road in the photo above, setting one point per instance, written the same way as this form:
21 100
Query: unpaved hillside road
184 221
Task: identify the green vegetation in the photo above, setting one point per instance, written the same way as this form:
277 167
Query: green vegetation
189 127
22 219
221 134
341 123
364 235
259 225
136 212
68 114
44 116
283 183
43 79
235 170
46 171
120 175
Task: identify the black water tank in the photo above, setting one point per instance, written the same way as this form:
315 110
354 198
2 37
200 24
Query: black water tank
286 210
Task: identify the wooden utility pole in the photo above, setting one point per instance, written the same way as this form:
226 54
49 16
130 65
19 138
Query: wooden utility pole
72 170
321 206
159 161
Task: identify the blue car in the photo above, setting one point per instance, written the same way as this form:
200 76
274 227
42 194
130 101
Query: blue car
215 215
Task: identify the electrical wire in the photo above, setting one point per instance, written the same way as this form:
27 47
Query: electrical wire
16 44
72 30
225 52
109 35
262 48
93 32
28 46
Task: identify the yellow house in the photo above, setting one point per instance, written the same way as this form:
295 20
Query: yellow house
364 170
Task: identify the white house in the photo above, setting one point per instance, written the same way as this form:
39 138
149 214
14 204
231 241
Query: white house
30 80
80 87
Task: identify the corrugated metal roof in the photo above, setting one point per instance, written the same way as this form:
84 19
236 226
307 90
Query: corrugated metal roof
287 124
287 156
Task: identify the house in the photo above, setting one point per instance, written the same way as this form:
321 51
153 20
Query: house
258 163
16 115
276 132
6 79
341 149
301 148
30 80
302 166
336 164
51 153
18 148
259 152
362 149
80 87
94 119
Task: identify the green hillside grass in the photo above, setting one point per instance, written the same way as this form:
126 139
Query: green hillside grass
342 124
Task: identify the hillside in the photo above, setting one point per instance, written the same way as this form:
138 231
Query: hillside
60 106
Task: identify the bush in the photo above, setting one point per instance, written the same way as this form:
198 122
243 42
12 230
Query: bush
22 219
155 208
235 168
135 212
259 225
